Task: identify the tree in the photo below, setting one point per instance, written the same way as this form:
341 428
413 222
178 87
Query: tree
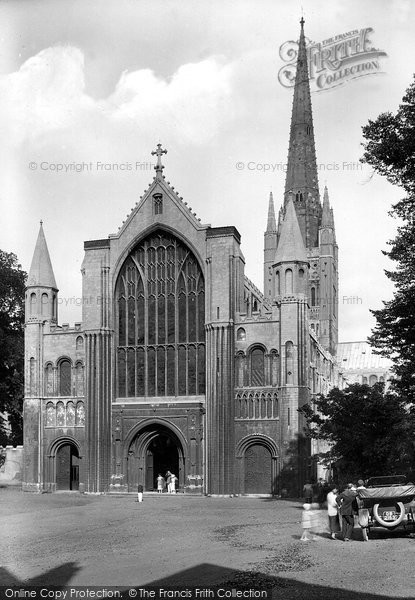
367 431
12 293
390 149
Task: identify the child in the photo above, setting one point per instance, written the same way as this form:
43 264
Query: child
160 483
140 491
307 521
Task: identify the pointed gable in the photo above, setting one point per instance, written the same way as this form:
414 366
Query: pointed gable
168 193
41 271
160 193
290 246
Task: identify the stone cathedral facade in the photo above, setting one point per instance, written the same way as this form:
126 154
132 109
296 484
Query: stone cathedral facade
180 362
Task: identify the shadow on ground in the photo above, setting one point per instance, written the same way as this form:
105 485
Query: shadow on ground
58 576
209 576
214 576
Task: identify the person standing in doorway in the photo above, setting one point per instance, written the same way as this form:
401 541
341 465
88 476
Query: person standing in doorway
173 480
160 483
332 512
140 491
168 482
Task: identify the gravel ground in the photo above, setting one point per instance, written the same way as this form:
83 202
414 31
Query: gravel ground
68 538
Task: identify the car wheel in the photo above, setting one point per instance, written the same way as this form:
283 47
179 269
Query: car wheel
389 524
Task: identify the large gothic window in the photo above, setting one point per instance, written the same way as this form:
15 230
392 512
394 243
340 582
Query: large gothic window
160 302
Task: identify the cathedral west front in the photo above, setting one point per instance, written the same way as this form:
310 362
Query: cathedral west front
180 362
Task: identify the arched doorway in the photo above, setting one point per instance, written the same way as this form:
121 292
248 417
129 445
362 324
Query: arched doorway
257 470
67 467
155 449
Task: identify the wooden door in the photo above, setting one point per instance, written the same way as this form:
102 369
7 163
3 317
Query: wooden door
63 468
258 475
149 471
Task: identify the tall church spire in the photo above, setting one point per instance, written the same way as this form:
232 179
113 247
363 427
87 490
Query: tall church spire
271 224
301 179
41 271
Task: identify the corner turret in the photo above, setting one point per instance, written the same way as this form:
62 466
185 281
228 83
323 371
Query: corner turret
41 289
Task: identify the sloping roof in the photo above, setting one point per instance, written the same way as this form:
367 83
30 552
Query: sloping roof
359 355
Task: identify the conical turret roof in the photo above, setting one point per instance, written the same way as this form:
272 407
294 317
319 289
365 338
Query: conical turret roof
291 245
41 271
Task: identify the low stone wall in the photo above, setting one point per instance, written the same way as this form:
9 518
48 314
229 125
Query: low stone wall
11 465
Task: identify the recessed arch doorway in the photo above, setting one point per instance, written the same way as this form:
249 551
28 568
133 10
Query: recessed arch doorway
155 449
257 470
258 465
67 467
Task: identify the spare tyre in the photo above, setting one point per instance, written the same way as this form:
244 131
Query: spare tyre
393 522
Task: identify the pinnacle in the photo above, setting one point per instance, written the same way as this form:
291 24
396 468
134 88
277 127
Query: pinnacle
271 224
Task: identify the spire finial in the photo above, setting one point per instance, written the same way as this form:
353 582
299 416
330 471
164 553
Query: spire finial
302 22
159 152
41 222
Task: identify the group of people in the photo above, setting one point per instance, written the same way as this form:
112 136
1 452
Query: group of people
343 505
169 481
341 509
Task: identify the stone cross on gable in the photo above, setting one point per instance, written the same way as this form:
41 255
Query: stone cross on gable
159 152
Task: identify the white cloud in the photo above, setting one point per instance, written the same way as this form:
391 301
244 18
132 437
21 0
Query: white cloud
194 103
48 94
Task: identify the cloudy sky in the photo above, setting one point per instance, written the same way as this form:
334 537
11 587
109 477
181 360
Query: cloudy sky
90 82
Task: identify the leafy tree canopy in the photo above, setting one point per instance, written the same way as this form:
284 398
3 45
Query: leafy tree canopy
368 432
389 148
12 293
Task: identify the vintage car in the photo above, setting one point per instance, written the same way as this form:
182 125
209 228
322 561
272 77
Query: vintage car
386 502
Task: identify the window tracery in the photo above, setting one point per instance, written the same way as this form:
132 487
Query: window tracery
161 318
